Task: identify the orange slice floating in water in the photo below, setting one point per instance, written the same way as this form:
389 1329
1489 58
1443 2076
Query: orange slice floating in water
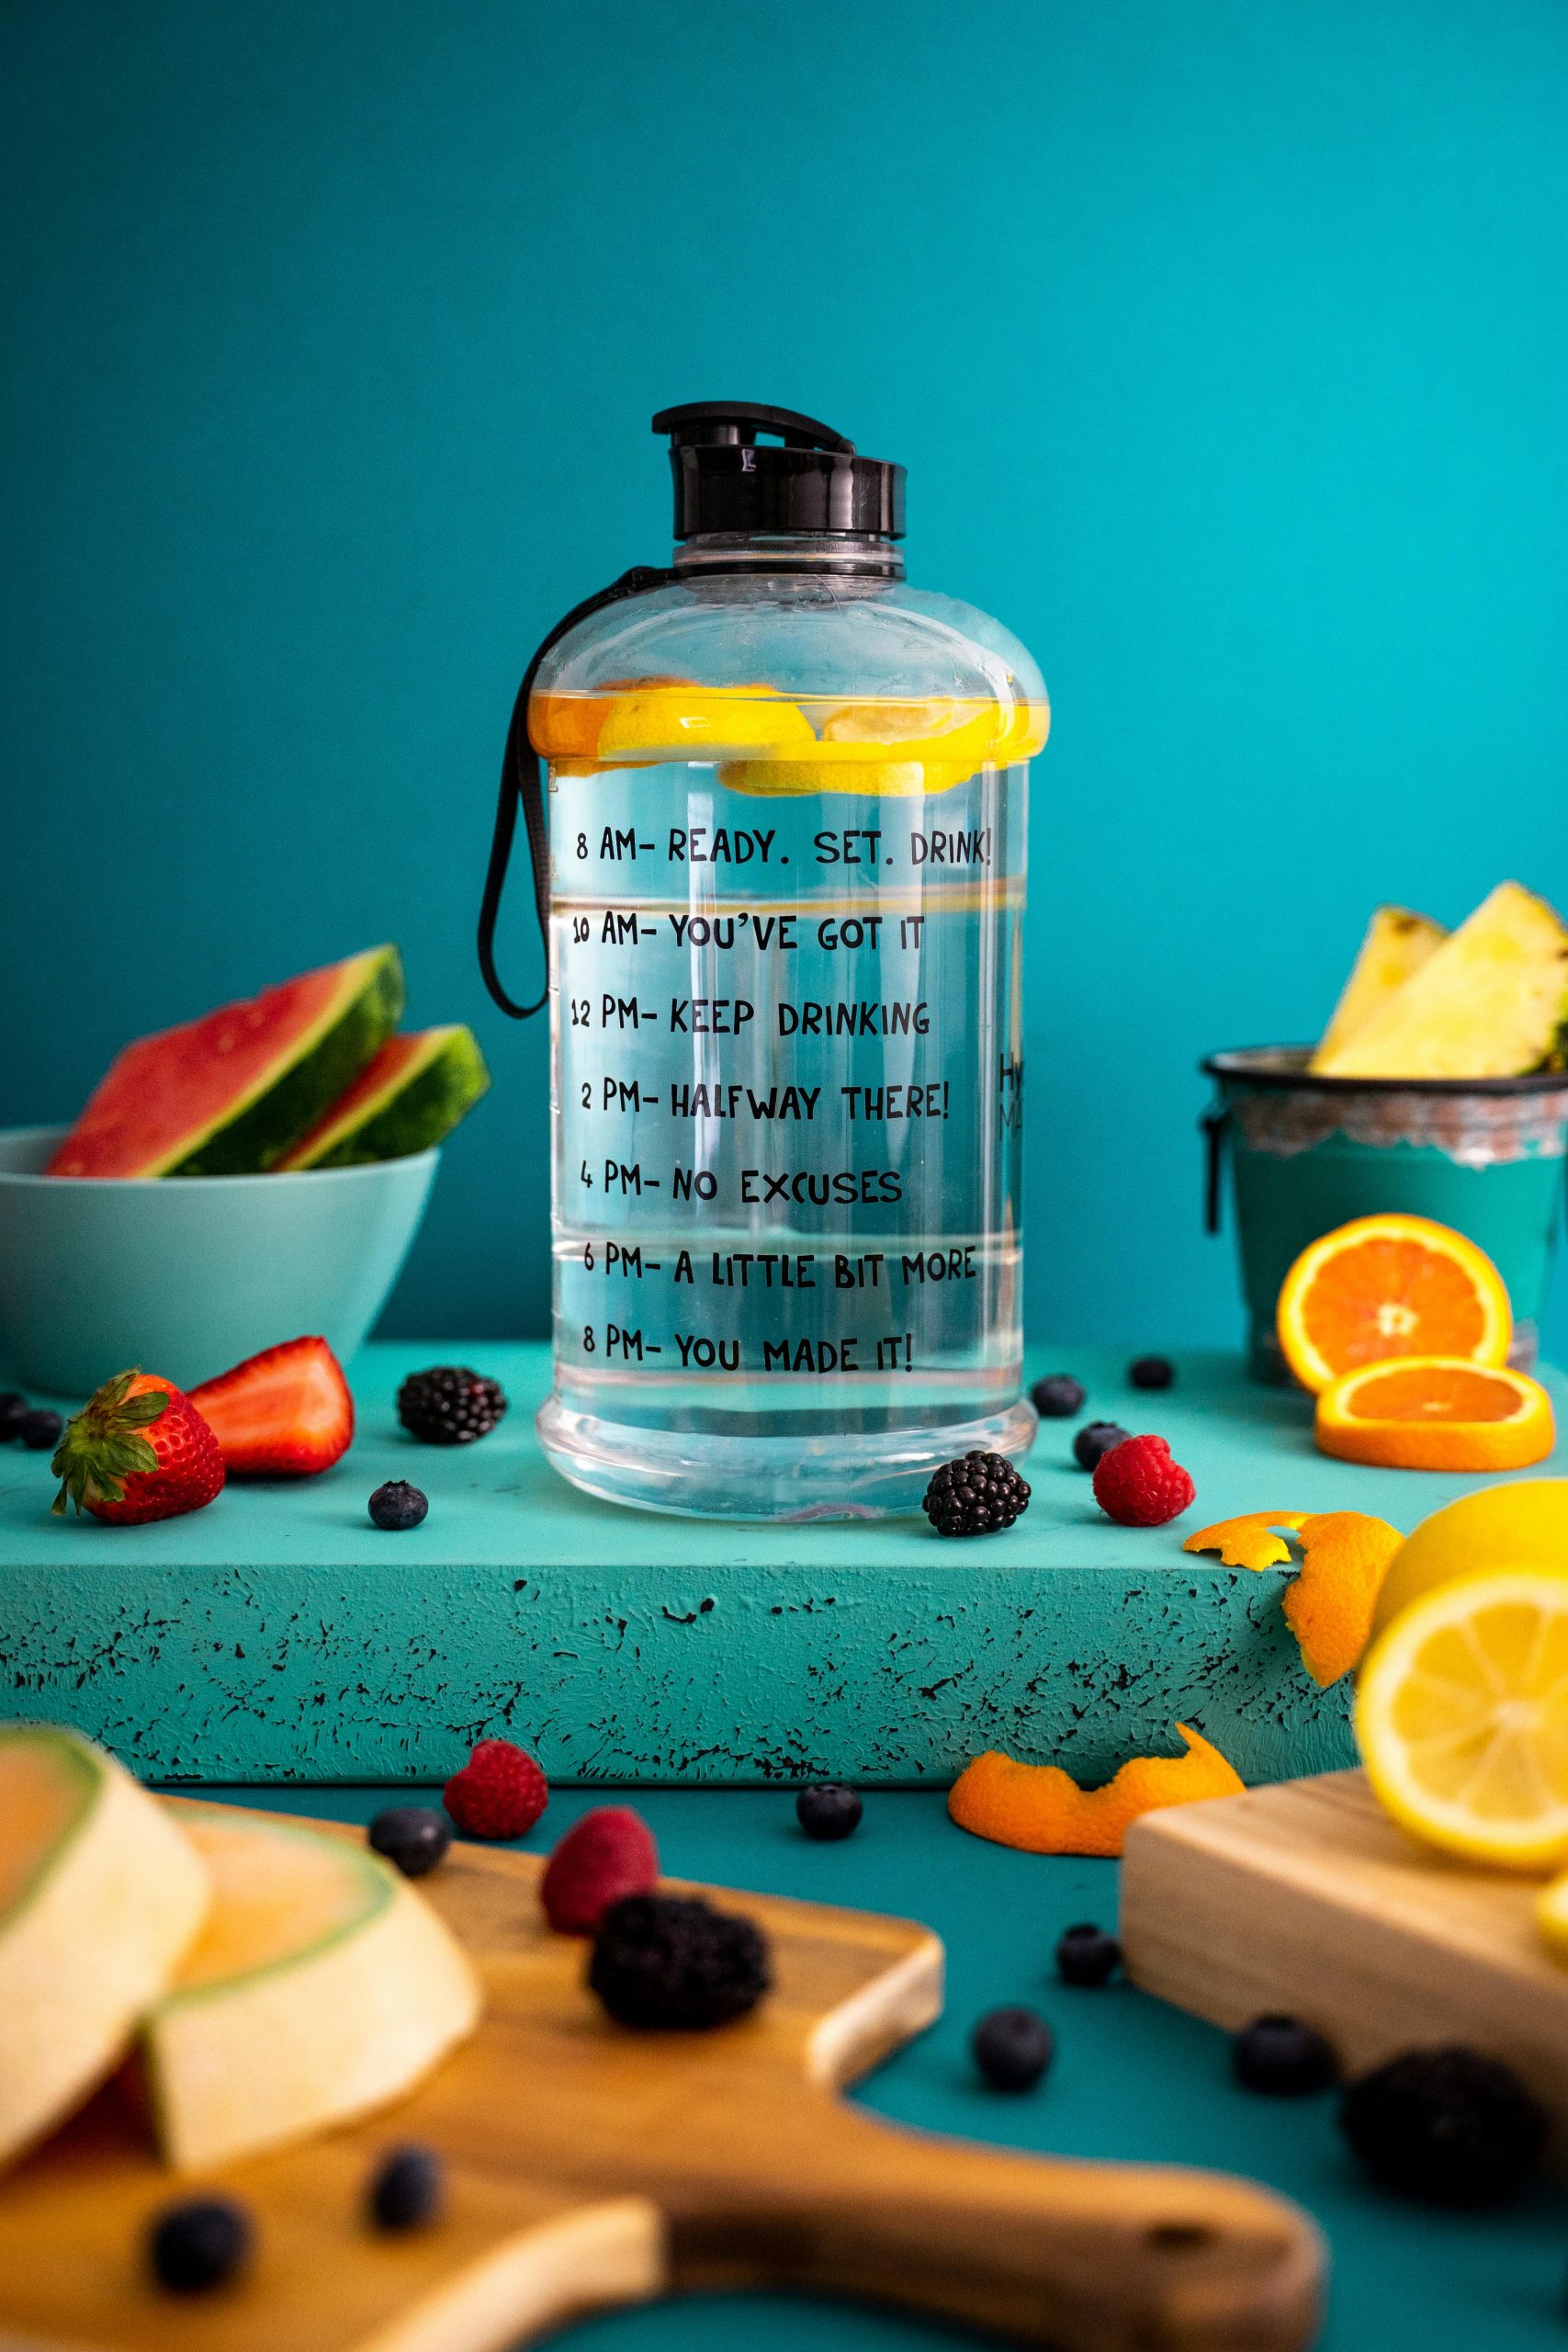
1329 1607
1436 1413
1392 1286
1040 1809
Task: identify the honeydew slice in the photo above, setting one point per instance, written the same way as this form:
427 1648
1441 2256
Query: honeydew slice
320 1988
99 1895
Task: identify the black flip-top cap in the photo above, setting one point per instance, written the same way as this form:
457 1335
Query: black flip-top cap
808 479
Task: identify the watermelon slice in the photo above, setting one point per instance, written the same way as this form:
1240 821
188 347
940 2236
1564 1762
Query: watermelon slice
228 1095
414 1093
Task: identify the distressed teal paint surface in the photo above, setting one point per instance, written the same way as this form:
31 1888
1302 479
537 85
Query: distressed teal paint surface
1132 2079
279 1635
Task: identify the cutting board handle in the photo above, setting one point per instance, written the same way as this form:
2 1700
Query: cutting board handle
1083 2257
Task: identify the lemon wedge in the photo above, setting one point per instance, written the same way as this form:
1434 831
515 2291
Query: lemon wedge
1461 1717
699 722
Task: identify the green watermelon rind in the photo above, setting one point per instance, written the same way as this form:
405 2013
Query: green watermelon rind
326 1061
420 1113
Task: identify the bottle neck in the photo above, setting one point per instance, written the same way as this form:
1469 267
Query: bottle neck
842 554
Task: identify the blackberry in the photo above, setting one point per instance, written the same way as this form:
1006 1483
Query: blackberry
407 2189
13 1406
450 1405
828 1812
397 1506
413 1836
673 1962
1057 1397
1151 1371
200 2245
1096 1439
1087 1955
1284 2058
1012 2049
40 1430
977 1495
1447 2127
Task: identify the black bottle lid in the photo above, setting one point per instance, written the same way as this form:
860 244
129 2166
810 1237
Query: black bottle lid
810 479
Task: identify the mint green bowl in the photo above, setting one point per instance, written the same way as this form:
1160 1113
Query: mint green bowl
186 1275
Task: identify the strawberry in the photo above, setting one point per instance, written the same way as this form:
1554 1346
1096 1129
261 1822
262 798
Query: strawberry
138 1450
286 1413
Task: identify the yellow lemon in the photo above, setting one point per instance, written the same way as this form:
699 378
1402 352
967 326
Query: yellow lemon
1523 1525
699 722
1461 1717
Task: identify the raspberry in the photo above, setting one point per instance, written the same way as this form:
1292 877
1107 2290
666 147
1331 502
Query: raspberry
1138 1485
610 1852
500 1792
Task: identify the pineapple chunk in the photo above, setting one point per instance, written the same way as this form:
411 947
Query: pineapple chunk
1491 1001
1397 944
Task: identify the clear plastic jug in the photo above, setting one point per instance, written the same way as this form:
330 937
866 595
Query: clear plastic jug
787 862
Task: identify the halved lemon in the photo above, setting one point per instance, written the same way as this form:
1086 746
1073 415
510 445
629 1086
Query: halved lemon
1391 1286
1436 1413
1461 1717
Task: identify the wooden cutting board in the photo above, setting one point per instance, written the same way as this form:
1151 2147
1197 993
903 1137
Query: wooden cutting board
589 2166
1305 1897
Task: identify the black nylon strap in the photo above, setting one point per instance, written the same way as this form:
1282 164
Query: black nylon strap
522 784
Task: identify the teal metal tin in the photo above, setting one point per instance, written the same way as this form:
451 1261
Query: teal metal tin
1306 1153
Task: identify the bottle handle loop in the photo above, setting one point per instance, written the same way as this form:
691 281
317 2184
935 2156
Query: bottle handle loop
522 784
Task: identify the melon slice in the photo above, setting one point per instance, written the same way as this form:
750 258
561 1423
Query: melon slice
411 1095
99 1895
1491 1001
321 1987
227 1094
1397 944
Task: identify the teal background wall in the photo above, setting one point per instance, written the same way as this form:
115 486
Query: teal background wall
1226 343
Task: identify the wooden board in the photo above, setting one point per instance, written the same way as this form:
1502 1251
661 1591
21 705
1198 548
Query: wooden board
589 2165
1305 1897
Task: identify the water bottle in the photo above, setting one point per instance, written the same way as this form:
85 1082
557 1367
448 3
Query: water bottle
780 886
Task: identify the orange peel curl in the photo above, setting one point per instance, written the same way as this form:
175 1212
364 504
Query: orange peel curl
1040 1809
1329 1604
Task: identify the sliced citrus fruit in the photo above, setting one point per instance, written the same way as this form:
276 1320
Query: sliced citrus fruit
1521 1525
655 723
1461 1717
1436 1413
1391 1286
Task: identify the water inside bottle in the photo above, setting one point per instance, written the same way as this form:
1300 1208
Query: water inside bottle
788 1074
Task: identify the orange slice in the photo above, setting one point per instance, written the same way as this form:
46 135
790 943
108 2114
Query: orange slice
1436 1413
1391 1286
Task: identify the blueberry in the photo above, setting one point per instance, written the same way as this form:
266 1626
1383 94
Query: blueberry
1151 1371
40 1430
398 1504
1282 2057
1057 1397
407 2189
414 1837
828 1812
200 2245
1096 1439
1012 2049
1087 1955
12 1408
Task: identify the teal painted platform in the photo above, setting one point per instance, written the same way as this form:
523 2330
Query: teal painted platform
277 1635
1132 2079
